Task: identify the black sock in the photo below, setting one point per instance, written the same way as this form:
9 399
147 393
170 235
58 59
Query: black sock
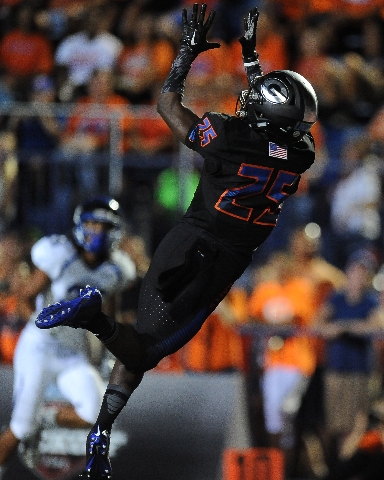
104 327
114 400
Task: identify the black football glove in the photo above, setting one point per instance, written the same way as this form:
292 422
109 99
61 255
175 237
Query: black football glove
248 40
194 35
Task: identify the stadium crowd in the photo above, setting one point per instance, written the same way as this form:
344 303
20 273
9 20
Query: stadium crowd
77 65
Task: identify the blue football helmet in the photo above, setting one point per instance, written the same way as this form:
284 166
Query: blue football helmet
100 209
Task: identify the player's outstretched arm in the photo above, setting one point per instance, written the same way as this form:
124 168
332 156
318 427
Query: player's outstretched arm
193 42
248 46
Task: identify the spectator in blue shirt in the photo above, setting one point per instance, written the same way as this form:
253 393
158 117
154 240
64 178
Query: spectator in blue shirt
346 320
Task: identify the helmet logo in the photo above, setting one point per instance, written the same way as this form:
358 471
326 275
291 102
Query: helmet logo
274 91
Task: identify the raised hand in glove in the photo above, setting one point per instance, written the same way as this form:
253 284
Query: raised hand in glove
194 35
248 40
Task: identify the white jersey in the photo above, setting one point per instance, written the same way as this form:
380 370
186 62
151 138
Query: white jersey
56 256
84 55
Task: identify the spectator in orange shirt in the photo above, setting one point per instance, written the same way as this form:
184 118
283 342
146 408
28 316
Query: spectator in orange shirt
288 360
144 61
24 51
87 139
89 128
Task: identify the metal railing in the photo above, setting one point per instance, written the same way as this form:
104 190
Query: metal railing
114 117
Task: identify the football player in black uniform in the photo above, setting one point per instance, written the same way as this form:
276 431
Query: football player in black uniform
252 163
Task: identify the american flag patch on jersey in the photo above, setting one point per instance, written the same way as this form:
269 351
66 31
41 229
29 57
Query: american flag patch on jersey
278 151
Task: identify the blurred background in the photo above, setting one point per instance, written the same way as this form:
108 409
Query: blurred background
78 86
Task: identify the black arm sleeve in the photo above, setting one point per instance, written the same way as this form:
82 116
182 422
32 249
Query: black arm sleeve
175 82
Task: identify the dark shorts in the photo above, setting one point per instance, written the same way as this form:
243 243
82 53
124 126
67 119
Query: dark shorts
190 273
346 396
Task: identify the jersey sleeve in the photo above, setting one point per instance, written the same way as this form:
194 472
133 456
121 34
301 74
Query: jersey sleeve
50 253
126 266
63 52
208 135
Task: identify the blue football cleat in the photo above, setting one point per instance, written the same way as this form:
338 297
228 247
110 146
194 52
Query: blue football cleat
72 313
98 463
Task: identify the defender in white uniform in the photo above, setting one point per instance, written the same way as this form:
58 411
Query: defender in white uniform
64 265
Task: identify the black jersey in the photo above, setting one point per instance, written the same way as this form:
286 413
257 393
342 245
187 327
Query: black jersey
245 178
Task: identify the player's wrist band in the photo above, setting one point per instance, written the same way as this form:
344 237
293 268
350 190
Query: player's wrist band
250 59
252 69
251 64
